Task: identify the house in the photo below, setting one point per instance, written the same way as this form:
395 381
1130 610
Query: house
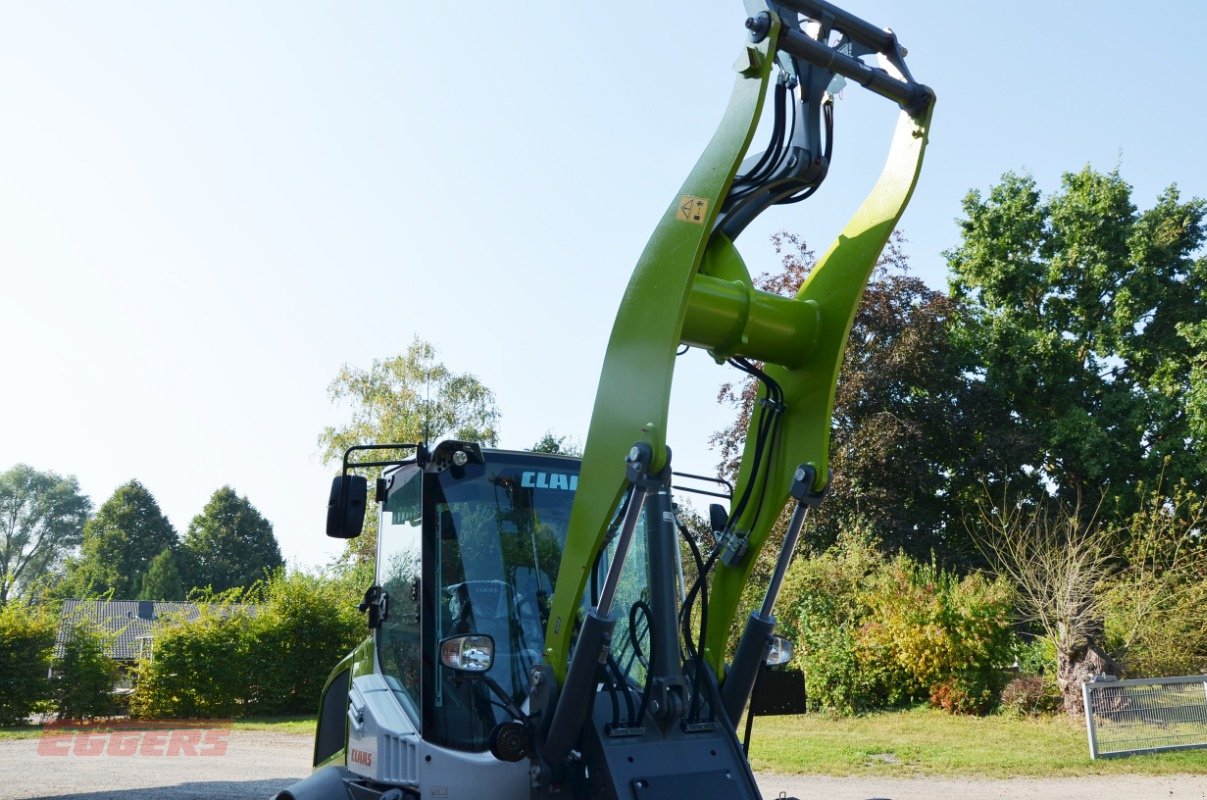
130 624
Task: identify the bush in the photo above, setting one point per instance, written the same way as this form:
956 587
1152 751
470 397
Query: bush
306 626
26 645
239 659
198 667
943 637
84 676
1154 607
820 609
875 631
1030 696
1037 656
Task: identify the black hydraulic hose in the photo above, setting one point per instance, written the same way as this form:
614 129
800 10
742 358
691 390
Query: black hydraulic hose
632 656
827 110
768 425
747 186
767 165
623 683
774 145
773 396
785 141
699 589
634 636
776 394
610 685
649 616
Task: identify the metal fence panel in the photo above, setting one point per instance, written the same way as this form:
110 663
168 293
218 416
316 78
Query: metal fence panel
1145 715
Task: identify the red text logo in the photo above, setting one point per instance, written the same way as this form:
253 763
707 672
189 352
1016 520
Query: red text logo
124 738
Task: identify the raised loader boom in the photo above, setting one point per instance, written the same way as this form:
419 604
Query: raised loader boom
691 287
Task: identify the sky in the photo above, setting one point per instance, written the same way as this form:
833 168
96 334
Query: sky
206 208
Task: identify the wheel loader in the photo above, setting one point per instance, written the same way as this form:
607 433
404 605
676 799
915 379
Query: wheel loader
548 627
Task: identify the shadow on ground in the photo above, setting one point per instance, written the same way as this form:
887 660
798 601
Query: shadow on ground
198 790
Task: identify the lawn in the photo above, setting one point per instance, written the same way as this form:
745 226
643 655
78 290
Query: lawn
925 741
302 724
918 742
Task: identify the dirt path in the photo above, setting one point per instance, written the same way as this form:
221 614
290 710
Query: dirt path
247 765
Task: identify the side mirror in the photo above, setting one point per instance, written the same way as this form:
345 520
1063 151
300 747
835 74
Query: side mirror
346 508
780 652
471 654
718 518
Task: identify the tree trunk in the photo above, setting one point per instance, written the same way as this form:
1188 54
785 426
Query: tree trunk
1078 665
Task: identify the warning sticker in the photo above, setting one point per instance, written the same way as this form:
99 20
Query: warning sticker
692 209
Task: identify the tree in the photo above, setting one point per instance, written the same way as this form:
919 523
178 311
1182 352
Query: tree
913 437
26 644
406 399
1087 320
121 540
1060 562
229 544
1154 607
41 514
557 445
83 688
162 580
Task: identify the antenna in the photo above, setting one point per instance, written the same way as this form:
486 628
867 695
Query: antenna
422 453
427 412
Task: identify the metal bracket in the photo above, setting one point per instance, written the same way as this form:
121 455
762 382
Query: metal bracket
733 547
377 603
802 486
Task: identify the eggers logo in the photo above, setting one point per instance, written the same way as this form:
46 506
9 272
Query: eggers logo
361 757
134 739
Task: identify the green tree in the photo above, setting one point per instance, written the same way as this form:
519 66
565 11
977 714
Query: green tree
406 399
26 645
83 687
557 445
229 544
1087 321
121 540
41 515
162 580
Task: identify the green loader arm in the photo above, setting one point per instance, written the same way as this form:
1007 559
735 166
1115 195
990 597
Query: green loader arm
691 286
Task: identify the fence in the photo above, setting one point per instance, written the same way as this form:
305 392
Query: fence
1145 715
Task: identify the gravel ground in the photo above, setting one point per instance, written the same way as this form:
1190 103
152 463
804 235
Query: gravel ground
249 765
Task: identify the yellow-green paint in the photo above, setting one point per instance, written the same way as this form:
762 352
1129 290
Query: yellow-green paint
835 286
631 403
691 286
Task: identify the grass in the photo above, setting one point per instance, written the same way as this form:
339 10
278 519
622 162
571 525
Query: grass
20 732
920 742
302 724
928 742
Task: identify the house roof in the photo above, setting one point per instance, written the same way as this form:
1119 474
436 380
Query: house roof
129 620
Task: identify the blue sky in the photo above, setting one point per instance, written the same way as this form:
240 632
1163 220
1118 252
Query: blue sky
207 207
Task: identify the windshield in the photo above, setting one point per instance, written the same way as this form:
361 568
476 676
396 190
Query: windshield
494 534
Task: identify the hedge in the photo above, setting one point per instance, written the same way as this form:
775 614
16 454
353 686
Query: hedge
26 645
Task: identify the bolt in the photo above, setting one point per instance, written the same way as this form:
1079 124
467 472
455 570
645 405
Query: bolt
634 454
800 474
759 27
